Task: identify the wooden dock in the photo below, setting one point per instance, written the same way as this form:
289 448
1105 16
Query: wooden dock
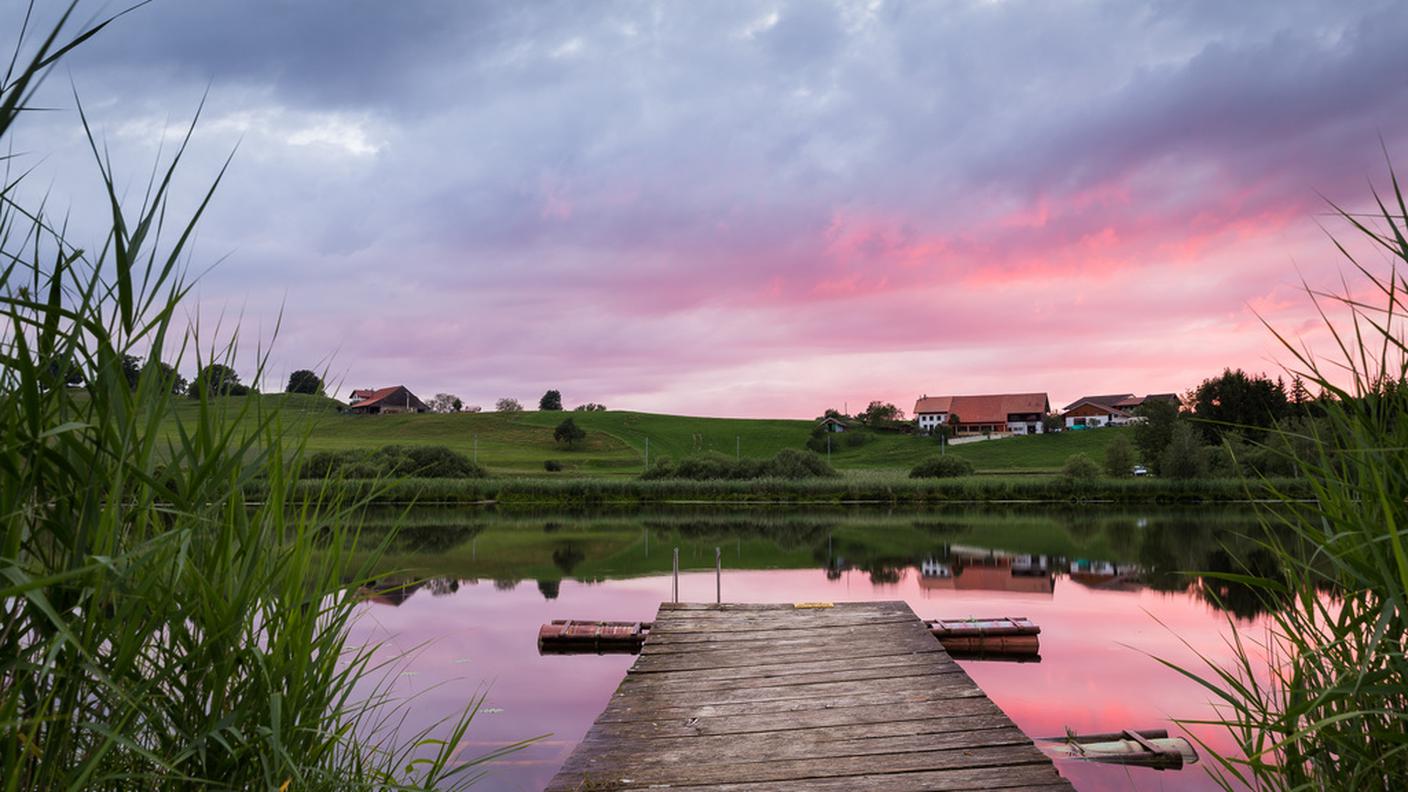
744 698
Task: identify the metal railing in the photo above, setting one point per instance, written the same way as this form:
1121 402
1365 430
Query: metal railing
718 577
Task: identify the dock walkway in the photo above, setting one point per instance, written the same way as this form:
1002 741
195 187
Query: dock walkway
744 698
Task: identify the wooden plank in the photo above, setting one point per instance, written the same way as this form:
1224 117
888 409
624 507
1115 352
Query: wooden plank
803 674
711 772
754 693
665 708
778 722
713 656
744 698
671 641
812 744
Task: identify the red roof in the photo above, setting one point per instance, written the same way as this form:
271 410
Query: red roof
1121 403
371 397
992 408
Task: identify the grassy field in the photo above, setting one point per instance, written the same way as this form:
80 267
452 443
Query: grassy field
519 443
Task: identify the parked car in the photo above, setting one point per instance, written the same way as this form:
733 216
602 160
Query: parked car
1140 470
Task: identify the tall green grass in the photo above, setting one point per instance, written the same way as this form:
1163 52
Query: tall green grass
1322 702
157 630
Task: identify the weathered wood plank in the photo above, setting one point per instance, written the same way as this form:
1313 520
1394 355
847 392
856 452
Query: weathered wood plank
755 693
703 634
742 698
802 674
777 722
658 708
704 771
650 662
1017 778
812 744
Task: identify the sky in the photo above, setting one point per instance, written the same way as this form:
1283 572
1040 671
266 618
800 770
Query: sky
744 208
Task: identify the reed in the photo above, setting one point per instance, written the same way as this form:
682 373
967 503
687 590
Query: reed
157 630
1322 701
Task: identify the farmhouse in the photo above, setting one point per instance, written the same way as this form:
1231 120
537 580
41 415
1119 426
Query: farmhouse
1001 413
1089 412
395 399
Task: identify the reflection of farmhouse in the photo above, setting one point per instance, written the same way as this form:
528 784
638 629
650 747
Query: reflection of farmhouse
382 401
976 568
996 414
1117 409
1105 574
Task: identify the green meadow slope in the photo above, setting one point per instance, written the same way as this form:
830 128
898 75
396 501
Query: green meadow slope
519 443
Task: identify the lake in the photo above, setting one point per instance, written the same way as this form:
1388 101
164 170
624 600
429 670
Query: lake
465 591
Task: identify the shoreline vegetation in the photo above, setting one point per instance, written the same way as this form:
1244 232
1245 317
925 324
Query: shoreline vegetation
878 489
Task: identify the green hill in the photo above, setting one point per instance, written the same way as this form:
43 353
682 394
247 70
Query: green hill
519 443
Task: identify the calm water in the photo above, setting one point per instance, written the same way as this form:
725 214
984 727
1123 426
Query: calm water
1104 587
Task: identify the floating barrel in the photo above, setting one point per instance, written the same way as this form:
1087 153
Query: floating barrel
1008 638
583 637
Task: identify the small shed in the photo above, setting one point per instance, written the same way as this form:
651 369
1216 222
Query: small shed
833 424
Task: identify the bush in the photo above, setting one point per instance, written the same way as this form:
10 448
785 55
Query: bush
855 439
793 464
786 464
391 461
1079 467
552 466
942 467
1119 457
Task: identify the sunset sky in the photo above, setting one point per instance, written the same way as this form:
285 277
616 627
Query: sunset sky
747 209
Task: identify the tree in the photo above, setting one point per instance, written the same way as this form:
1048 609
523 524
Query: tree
1052 423
1079 467
167 374
472 408
507 405
1236 400
304 381
217 379
1119 457
1298 395
1154 430
590 407
445 403
552 400
132 370
59 374
568 432
881 412
1183 458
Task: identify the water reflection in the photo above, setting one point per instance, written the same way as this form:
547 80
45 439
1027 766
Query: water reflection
472 587
976 550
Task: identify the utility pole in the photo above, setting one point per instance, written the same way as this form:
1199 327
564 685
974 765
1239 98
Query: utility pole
737 447
828 447
476 448
647 453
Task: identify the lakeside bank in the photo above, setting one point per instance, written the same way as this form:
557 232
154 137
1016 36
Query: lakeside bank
880 490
